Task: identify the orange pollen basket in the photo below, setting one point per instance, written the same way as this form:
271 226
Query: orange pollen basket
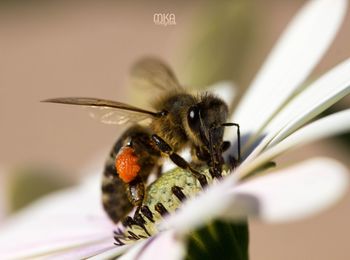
127 165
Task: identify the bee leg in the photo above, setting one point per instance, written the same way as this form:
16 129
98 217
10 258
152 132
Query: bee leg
177 159
136 192
216 169
159 171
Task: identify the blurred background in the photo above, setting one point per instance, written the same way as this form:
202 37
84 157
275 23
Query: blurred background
72 48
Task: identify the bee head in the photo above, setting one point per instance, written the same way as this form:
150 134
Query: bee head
205 121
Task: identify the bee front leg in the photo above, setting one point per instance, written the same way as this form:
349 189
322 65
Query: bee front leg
178 160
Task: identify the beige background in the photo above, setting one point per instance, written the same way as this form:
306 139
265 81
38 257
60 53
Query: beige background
75 49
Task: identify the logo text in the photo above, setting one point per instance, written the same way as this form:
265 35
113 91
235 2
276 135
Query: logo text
164 19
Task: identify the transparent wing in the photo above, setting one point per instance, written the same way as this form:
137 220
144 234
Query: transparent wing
153 73
113 116
108 111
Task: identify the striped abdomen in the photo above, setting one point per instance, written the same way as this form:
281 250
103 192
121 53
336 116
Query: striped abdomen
116 195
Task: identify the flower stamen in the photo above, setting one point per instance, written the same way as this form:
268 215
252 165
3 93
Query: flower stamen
177 191
159 207
164 196
140 221
133 235
118 242
147 213
128 222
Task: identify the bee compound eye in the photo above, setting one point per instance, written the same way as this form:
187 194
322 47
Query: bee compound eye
193 117
193 113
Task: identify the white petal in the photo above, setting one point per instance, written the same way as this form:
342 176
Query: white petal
334 124
290 62
85 251
117 251
322 181
132 254
63 220
166 245
312 101
298 191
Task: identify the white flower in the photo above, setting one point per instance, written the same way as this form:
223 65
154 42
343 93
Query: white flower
273 116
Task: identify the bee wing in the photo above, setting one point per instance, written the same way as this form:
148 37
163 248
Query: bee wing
107 111
154 73
113 116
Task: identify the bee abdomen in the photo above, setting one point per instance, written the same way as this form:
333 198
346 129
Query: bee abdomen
132 157
114 198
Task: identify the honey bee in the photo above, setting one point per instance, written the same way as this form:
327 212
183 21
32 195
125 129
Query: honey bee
178 120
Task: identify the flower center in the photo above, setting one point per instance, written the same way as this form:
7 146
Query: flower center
163 197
